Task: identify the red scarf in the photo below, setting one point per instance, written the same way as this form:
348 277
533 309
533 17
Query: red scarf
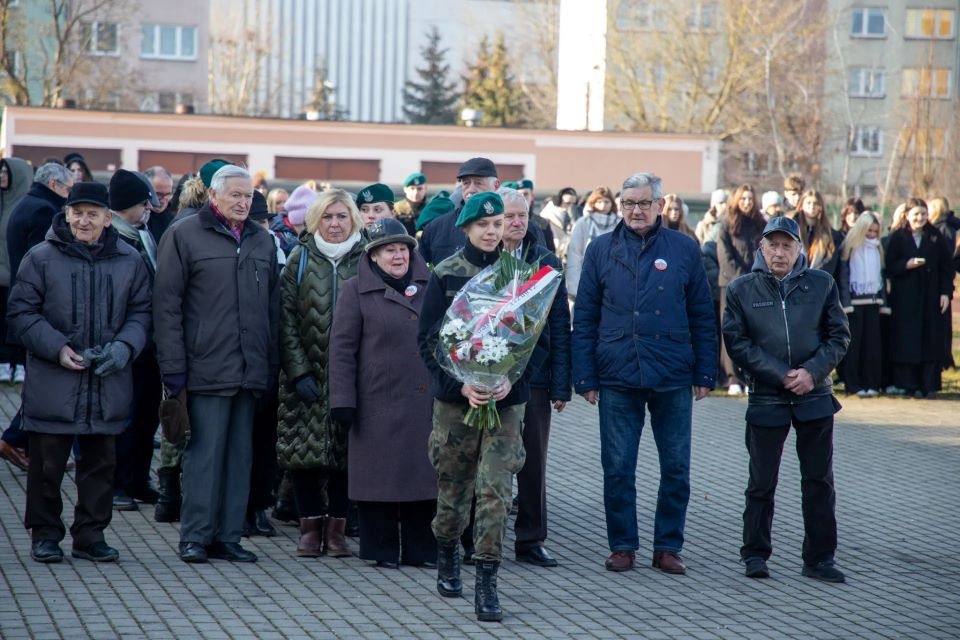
236 228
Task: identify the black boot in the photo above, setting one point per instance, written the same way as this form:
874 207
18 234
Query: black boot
485 599
168 502
448 569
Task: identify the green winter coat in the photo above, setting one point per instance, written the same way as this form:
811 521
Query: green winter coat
306 438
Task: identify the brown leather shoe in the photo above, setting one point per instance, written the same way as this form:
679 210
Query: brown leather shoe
669 562
310 544
620 561
336 541
13 455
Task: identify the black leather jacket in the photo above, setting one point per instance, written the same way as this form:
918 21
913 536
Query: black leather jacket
771 326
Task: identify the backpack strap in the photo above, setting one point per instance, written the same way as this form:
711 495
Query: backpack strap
301 267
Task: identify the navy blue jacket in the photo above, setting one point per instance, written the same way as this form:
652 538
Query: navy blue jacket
644 315
29 222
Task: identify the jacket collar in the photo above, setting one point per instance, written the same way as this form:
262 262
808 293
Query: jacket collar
368 280
208 219
480 258
799 267
60 236
42 191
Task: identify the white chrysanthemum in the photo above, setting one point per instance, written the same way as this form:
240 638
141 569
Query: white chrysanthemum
493 349
456 328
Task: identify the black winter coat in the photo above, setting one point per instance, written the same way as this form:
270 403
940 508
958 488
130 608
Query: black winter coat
916 323
30 221
217 304
772 326
66 295
442 238
735 254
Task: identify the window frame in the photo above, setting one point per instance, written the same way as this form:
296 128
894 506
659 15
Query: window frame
857 150
937 11
865 21
90 47
866 77
157 53
934 72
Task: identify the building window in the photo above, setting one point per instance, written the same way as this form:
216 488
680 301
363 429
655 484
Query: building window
165 101
926 83
702 17
866 83
934 24
651 75
14 58
640 15
168 42
869 22
867 141
929 143
757 164
100 38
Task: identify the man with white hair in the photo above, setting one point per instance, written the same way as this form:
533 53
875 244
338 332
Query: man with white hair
216 310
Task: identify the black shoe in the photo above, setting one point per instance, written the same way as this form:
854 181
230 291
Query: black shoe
387 564
146 494
352 528
448 570
123 502
231 551
824 571
169 496
47 551
262 525
756 568
468 555
97 552
536 555
192 552
286 512
486 603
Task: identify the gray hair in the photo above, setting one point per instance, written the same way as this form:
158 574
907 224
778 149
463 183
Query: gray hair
224 173
645 179
158 171
512 195
53 171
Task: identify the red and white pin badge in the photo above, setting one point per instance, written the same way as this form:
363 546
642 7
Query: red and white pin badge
410 291
660 264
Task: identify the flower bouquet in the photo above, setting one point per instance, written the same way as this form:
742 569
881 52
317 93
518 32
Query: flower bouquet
492 327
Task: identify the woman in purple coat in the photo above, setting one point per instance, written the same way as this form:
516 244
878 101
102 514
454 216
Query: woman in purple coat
380 390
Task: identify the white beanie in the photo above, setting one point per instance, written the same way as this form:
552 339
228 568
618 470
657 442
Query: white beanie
769 199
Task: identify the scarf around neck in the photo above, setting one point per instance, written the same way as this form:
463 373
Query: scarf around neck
334 252
866 276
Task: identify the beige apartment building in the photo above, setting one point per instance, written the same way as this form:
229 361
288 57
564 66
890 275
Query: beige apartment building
893 96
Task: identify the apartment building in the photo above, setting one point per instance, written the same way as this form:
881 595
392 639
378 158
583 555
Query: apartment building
894 96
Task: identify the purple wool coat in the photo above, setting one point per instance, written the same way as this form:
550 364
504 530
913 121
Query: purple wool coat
375 367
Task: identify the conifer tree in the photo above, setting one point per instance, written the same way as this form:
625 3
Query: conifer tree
492 89
433 100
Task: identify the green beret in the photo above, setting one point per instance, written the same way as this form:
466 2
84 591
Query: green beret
415 178
512 184
481 205
208 169
377 192
526 184
442 194
437 207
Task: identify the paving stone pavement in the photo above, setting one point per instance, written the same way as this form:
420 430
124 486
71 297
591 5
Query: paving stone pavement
897 465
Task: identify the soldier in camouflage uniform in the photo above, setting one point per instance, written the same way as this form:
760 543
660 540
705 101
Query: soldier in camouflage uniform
168 481
471 462
414 200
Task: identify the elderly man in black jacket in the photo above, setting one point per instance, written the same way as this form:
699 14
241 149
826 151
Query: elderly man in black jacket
81 308
785 327
216 312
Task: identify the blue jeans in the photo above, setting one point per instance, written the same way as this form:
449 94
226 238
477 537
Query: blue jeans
621 423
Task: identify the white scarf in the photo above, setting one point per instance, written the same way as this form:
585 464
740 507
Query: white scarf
334 252
865 274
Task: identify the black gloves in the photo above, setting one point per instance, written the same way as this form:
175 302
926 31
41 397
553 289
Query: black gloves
344 416
113 358
307 388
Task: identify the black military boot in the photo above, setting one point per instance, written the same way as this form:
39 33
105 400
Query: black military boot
168 503
448 569
485 599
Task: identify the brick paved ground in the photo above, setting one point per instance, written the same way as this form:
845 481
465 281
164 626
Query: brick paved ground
897 464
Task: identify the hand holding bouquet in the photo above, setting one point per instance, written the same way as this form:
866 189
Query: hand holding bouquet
492 328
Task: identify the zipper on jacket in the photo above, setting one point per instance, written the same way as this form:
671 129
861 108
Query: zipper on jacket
73 282
93 323
109 320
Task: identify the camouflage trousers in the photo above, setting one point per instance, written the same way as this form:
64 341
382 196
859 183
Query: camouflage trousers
171 455
473 462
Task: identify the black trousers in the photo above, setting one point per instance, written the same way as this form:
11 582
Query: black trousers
94 508
263 473
862 366
923 376
729 373
531 524
815 450
397 531
308 491
135 444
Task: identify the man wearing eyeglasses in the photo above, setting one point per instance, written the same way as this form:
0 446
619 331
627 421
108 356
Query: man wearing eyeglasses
161 214
644 338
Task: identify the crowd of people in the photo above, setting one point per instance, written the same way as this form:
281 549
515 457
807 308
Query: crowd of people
295 334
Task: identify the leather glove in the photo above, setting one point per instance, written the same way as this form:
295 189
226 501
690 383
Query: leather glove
114 357
307 388
174 383
343 416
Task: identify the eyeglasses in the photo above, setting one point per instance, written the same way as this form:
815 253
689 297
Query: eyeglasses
629 205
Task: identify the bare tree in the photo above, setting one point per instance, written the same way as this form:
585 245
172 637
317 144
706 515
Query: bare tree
235 72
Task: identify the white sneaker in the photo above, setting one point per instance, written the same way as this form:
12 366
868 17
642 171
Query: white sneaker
863 393
872 393
734 390
6 372
19 374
